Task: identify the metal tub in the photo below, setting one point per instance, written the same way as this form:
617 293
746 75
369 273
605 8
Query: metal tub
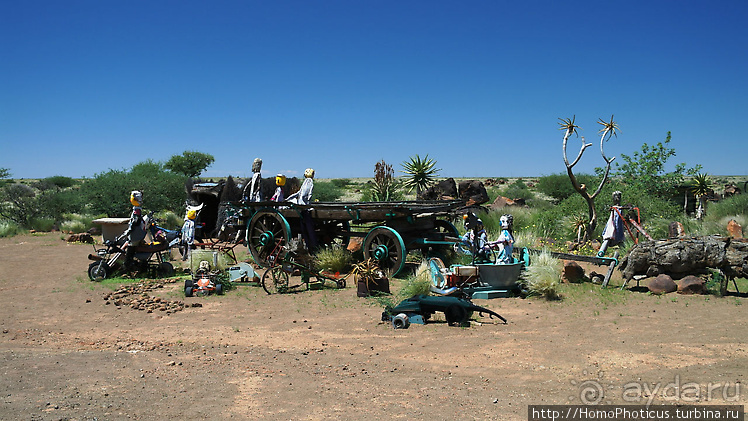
500 276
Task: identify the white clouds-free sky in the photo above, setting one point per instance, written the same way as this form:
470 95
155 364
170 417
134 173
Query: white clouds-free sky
479 86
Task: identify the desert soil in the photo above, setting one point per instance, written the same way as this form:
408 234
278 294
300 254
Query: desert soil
67 355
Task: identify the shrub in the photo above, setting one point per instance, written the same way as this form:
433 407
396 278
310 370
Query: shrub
42 224
543 276
327 191
56 181
734 205
73 226
333 259
9 228
558 186
340 183
109 192
417 284
169 219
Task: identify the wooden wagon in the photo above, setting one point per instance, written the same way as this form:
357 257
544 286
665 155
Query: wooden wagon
389 229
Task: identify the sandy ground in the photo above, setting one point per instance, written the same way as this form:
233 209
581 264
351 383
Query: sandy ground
67 355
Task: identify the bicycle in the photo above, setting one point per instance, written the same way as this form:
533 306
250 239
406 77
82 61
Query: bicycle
283 262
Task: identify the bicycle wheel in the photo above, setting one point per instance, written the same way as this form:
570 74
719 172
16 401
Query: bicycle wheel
275 280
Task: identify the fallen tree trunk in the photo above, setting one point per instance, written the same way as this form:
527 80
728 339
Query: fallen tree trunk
687 256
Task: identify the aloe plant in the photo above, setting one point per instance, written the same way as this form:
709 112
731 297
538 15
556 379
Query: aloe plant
701 186
420 173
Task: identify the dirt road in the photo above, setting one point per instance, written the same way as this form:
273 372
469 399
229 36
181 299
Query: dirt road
67 355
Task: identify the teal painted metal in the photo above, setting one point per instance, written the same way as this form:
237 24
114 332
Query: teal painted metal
382 251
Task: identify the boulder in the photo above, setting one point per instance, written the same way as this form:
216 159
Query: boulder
662 284
573 272
734 229
473 192
443 190
691 285
83 237
501 202
731 190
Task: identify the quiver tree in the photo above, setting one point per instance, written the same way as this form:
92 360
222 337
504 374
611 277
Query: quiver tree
610 129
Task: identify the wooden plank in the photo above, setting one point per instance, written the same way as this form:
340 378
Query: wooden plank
579 258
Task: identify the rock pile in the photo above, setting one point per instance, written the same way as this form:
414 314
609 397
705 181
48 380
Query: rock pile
137 298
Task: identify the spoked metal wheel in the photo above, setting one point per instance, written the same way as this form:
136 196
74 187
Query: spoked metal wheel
386 246
98 271
438 279
264 231
275 280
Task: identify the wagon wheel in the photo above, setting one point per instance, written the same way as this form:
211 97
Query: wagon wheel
446 228
442 230
386 246
266 227
329 231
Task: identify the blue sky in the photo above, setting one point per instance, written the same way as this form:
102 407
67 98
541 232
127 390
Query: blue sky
479 86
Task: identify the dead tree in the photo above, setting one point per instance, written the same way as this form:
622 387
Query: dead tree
610 129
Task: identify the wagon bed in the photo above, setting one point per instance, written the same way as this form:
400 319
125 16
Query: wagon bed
389 229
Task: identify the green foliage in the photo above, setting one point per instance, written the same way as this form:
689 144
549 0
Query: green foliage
559 187
108 193
385 186
730 207
327 191
9 229
420 173
558 222
55 182
41 224
169 220
23 204
646 169
518 190
190 163
333 259
77 223
543 276
417 284
4 172
19 203
340 183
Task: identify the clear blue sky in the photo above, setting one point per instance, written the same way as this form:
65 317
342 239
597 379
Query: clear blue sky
88 86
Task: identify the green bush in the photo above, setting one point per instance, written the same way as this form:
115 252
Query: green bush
333 259
73 226
9 228
558 186
109 192
327 191
56 181
77 222
169 220
340 183
42 224
734 205
543 276
518 190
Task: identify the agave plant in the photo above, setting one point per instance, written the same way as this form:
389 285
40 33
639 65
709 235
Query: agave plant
701 185
420 173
